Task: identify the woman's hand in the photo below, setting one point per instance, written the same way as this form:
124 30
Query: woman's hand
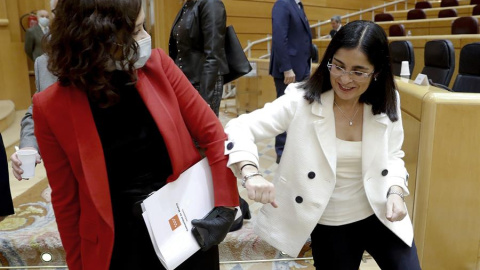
396 208
261 190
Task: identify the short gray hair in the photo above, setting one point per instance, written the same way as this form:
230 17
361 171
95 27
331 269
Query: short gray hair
336 18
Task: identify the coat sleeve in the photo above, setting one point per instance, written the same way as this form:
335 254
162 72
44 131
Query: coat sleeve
207 131
6 204
63 184
244 131
280 25
213 27
397 172
29 43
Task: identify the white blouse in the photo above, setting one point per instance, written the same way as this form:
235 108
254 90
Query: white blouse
349 202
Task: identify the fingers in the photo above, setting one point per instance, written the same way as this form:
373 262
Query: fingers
39 159
16 163
289 80
396 209
260 190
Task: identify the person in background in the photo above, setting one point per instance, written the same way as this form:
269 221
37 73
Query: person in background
336 22
34 35
341 180
197 45
119 124
43 79
292 49
6 204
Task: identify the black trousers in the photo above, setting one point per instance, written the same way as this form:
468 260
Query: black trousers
280 86
341 247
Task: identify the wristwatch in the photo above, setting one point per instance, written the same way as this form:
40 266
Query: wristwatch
390 191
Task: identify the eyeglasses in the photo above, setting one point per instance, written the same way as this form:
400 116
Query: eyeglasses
357 76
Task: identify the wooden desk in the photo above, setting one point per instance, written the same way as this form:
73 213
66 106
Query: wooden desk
446 211
431 13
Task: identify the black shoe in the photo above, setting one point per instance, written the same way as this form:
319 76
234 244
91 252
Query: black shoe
238 223
278 159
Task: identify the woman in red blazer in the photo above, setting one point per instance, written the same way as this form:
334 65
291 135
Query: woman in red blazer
118 125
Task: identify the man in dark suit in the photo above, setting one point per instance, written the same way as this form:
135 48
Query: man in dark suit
336 22
34 35
6 204
290 59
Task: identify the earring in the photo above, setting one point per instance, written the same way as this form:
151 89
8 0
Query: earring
375 78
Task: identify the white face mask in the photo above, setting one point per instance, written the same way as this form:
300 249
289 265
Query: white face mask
43 21
144 52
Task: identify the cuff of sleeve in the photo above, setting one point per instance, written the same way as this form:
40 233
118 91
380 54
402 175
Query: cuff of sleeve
401 182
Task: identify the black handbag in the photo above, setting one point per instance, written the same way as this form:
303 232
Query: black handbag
238 63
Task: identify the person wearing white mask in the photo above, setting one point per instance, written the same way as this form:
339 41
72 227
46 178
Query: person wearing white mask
34 35
119 124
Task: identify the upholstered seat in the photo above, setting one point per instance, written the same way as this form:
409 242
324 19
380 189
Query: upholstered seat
445 13
468 78
449 3
416 14
423 5
401 50
465 25
383 17
439 61
396 30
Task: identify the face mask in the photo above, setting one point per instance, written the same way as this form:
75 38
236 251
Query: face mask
43 21
144 52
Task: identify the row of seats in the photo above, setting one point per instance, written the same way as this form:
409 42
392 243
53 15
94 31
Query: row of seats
443 3
439 62
419 14
460 26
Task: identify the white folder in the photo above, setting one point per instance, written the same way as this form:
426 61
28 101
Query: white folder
168 214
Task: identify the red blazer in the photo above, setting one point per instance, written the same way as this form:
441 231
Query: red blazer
75 164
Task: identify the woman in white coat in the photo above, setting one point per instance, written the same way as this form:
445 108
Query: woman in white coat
341 180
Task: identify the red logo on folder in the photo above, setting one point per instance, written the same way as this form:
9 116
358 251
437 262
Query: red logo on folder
174 222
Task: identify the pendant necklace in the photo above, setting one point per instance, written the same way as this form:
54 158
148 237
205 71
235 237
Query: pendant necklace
350 120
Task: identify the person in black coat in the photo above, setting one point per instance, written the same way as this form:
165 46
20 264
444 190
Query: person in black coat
197 45
6 204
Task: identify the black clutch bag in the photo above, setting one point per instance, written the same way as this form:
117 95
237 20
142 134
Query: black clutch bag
238 63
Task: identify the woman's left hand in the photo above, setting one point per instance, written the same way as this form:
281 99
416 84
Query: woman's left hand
396 208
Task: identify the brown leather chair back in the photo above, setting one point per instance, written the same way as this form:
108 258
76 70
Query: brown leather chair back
383 17
422 5
465 25
449 3
451 12
396 30
416 14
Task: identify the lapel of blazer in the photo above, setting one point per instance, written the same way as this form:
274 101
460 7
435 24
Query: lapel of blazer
91 153
151 95
374 127
302 15
324 127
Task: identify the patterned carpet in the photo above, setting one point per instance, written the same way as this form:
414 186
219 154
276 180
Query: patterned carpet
30 236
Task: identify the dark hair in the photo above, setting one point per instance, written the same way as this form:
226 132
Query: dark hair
370 38
86 38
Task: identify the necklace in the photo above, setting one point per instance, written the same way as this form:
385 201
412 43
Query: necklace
350 120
